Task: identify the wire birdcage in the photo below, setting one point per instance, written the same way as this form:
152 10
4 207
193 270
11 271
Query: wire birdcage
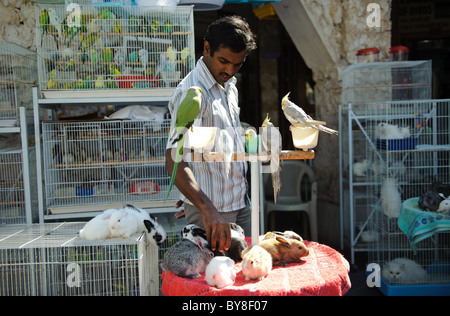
105 162
12 191
408 152
18 73
51 259
100 47
379 81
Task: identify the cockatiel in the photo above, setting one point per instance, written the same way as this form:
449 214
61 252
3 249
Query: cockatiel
298 117
271 142
226 147
187 113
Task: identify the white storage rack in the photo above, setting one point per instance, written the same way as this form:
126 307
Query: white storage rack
363 84
87 166
120 55
18 73
414 164
51 260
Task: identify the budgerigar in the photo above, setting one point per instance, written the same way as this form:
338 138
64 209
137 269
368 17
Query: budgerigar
226 147
55 22
143 57
271 142
298 117
187 113
251 141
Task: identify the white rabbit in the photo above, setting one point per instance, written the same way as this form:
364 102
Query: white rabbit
147 223
220 272
123 224
98 228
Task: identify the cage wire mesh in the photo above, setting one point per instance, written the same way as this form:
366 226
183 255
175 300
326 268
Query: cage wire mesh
50 259
12 190
113 47
18 73
375 82
105 162
407 153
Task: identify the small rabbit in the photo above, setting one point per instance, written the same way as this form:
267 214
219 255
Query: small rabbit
220 272
237 231
98 228
155 232
123 224
256 263
284 250
444 207
146 222
286 234
237 246
187 259
193 232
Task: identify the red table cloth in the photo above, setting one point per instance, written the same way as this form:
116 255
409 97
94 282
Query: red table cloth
324 272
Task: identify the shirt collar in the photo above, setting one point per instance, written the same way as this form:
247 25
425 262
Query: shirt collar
208 78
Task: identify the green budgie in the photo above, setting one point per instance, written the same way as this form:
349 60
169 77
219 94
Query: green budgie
187 113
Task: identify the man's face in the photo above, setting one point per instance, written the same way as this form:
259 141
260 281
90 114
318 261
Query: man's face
224 64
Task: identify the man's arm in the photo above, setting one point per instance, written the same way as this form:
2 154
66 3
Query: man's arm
218 230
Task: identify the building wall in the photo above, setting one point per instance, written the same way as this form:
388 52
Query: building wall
18 23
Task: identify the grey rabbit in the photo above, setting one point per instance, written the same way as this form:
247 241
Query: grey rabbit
237 246
187 258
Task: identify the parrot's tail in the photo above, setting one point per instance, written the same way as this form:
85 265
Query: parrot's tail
328 130
172 180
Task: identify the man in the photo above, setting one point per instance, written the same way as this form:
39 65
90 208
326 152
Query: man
212 199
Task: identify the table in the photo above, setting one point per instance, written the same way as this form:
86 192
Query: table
324 272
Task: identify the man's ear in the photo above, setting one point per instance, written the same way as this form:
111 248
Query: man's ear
206 48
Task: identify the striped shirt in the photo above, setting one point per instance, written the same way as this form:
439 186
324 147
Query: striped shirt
219 109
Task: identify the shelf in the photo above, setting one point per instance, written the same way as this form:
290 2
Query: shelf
131 162
106 96
241 156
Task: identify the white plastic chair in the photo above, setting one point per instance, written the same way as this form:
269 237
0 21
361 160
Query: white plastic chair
298 193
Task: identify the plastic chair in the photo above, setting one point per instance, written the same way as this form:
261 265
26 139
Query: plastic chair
298 193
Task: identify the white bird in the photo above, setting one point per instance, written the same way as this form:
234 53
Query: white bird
271 142
226 147
298 117
54 20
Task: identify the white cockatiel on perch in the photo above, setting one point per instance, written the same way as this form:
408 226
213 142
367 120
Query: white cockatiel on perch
298 117
271 142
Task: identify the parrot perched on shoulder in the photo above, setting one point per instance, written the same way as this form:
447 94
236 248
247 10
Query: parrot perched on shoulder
271 142
226 147
187 112
298 117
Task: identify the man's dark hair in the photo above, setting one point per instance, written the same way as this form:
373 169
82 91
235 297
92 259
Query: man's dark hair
232 32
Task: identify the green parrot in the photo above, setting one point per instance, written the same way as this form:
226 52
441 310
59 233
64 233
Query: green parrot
94 58
187 113
107 55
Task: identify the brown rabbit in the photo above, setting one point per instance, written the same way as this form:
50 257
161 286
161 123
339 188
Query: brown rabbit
285 250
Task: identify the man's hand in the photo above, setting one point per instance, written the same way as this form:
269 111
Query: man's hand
218 230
